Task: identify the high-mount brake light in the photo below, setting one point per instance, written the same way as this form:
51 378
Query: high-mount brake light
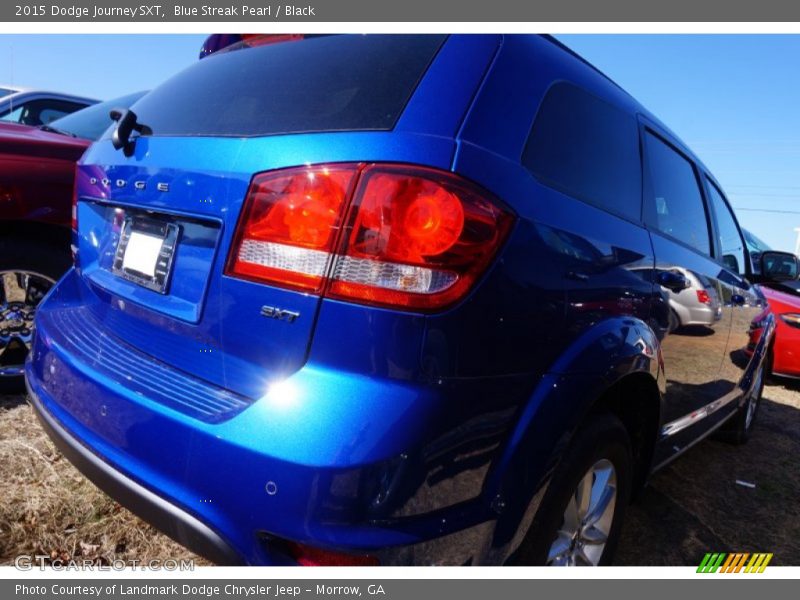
390 235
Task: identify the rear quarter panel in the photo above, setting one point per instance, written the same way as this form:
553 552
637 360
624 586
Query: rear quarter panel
575 325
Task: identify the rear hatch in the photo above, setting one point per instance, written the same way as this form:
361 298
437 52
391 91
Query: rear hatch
156 219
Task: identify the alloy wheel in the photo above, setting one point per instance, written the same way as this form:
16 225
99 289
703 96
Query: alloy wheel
752 401
20 294
588 517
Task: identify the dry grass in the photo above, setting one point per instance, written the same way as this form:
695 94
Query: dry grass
695 506
48 508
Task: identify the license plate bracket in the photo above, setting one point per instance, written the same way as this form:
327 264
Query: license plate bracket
145 252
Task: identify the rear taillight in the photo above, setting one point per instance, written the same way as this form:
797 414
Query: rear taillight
75 200
703 297
290 226
74 223
387 235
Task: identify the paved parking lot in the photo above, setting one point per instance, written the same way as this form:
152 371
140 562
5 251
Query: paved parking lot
691 507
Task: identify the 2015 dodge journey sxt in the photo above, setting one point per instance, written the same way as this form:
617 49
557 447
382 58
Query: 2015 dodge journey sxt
393 300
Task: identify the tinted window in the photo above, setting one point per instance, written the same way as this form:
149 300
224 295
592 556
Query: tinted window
48 115
91 122
675 204
728 236
588 149
320 84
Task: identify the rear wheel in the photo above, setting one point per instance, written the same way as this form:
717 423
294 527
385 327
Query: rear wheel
579 520
27 272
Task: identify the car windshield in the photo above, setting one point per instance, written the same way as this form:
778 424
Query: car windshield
90 123
753 243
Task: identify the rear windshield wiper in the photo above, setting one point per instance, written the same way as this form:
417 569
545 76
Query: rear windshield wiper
51 129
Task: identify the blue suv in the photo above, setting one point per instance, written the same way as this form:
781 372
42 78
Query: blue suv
358 300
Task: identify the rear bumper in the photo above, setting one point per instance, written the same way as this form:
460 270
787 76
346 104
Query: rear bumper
344 461
172 520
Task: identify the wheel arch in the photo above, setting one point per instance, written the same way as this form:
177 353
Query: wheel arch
628 383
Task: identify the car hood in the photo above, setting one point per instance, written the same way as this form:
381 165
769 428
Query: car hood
31 141
786 296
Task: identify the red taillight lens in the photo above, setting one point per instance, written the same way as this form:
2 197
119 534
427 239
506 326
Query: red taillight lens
415 237
75 199
703 297
308 556
290 224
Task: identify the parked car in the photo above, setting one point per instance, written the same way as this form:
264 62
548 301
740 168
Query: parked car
37 174
342 318
784 360
778 278
696 304
38 107
756 246
220 41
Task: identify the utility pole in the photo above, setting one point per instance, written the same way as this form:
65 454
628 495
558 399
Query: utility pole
797 242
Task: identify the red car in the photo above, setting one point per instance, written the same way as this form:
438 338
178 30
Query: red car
37 170
785 305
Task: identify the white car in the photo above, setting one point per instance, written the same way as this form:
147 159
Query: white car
698 303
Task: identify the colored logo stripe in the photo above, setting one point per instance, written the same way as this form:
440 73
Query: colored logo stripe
734 562
711 562
758 563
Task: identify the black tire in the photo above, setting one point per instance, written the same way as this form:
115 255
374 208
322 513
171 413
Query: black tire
738 428
674 320
23 254
603 437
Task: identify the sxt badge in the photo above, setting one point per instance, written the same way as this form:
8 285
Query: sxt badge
281 314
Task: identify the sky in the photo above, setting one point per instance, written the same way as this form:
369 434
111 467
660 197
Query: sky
734 99
97 66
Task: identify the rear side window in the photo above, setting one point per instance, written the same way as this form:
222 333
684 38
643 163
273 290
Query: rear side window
330 83
728 235
675 204
588 149
39 112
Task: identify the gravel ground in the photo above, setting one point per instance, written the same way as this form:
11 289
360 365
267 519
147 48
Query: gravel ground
691 507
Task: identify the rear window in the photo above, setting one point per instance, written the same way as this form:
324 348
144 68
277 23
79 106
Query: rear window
335 83
588 149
